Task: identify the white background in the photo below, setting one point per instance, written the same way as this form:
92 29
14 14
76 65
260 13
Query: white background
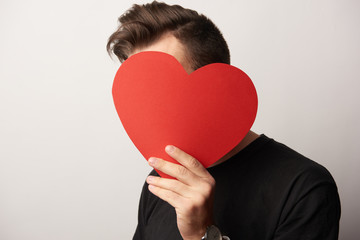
67 168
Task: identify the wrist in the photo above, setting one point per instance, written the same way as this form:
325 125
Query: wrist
196 236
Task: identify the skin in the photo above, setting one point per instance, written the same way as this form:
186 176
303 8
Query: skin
191 193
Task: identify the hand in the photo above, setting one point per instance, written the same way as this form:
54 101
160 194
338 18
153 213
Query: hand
191 193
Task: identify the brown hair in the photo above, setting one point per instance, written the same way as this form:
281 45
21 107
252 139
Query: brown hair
142 25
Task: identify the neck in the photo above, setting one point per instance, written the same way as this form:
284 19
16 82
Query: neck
249 138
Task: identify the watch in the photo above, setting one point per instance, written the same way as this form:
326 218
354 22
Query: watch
213 233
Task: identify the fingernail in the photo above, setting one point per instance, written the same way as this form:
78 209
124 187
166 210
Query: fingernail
151 187
150 179
170 148
152 161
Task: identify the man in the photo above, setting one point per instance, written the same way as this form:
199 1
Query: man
261 189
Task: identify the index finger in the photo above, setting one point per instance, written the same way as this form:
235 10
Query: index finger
188 161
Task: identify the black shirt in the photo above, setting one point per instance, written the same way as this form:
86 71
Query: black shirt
266 191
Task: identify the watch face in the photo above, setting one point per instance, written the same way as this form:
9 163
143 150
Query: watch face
213 233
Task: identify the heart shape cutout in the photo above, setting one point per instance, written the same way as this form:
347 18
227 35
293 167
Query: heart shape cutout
206 113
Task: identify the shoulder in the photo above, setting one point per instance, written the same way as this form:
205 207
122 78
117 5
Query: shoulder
287 161
272 163
304 177
310 195
275 166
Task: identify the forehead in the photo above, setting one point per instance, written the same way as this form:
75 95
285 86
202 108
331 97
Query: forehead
170 45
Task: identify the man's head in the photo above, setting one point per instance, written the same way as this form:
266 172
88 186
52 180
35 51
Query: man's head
191 37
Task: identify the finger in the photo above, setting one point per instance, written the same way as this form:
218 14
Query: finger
170 184
175 170
172 198
187 161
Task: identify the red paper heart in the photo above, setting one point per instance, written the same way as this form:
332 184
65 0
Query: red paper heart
206 113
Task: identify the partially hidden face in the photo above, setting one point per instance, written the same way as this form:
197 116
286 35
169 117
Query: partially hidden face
161 101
